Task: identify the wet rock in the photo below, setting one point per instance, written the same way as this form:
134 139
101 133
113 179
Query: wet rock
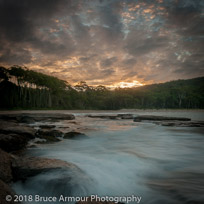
125 116
47 140
5 166
10 128
47 126
26 119
159 118
47 132
13 142
31 166
183 124
49 135
113 117
51 116
6 190
137 120
75 135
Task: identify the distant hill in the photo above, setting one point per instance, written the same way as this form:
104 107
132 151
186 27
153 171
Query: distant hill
21 88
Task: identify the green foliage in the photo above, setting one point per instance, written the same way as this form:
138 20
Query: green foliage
53 93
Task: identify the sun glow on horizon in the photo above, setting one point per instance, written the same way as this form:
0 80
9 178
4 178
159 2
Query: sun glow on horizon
123 84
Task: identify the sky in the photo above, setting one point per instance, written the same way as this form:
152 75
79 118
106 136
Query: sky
105 42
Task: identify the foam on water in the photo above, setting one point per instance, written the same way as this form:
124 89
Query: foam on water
130 159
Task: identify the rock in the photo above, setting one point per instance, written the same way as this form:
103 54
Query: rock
26 119
183 123
137 120
8 128
113 117
47 126
125 116
75 135
31 166
30 117
51 176
49 135
6 190
47 132
5 167
158 118
13 142
47 140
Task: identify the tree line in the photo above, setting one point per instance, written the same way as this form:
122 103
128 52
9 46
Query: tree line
21 88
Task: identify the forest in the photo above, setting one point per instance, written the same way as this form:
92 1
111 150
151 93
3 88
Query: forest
21 88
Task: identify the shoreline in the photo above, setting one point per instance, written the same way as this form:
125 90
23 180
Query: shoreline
17 131
99 111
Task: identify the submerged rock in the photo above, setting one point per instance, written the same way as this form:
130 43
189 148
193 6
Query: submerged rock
75 135
159 118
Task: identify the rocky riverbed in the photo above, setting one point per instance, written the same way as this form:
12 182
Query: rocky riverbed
21 131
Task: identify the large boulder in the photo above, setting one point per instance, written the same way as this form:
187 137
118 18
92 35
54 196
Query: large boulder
12 142
51 176
6 194
31 166
5 166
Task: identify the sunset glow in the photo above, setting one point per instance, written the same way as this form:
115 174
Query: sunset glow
128 84
116 43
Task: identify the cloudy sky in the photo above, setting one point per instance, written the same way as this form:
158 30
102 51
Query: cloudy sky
104 41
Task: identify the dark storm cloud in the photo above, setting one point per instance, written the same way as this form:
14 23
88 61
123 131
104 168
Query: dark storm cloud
24 23
108 62
186 17
139 44
109 16
18 19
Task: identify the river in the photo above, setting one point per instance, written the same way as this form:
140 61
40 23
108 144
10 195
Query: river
123 158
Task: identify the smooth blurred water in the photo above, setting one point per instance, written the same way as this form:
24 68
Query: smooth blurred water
122 158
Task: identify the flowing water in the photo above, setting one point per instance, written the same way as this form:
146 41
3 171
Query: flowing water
123 158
